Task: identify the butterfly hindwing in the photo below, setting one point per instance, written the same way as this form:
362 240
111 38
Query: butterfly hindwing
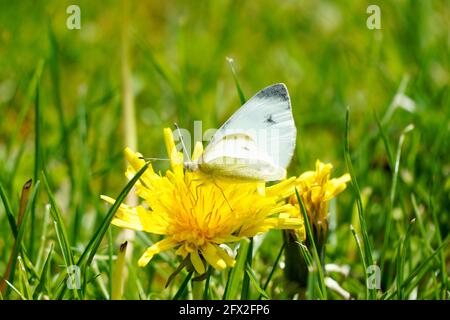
237 156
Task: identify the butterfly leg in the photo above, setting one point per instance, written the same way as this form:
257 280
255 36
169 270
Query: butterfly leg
223 194
196 189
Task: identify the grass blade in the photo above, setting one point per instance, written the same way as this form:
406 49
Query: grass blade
10 285
387 146
421 268
207 282
237 272
64 131
90 250
95 241
274 268
37 162
82 185
61 231
236 81
252 277
30 94
245 292
183 286
43 237
388 227
444 274
8 210
361 255
401 258
22 219
23 279
43 279
362 217
110 261
317 264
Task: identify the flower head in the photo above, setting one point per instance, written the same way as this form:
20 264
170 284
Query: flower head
316 189
196 216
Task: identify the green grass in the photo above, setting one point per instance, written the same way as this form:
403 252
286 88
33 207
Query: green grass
62 125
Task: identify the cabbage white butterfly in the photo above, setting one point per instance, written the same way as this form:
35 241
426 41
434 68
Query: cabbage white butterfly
256 143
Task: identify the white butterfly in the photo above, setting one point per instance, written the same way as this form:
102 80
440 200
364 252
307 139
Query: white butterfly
256 143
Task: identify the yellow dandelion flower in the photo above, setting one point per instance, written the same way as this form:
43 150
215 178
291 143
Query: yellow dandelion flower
197 217
316 189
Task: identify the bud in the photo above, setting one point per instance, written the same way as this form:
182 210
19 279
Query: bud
315 189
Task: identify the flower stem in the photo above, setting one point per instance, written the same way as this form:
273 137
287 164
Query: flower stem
118 275
130 131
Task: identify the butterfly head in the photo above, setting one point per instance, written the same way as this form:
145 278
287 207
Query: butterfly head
191 165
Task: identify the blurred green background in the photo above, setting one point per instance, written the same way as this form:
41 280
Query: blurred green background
322 51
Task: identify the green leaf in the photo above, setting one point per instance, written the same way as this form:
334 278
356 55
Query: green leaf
361 255
94 243
44 279
236 81
23 279
38 160
418 272
237 273
207 283
254 282
274 268
315 255
245 292
183 286
10 285
60 228
21 230
361 214
401 258
186 262
30 94
89 252
444 274
388 222
383 135
8 210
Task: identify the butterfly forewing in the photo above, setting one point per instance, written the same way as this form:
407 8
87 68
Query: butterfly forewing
258 141
267 118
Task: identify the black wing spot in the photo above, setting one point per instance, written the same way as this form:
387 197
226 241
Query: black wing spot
278 90
270 120
246 148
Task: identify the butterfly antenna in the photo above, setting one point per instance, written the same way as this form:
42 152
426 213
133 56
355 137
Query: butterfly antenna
154 159
182 142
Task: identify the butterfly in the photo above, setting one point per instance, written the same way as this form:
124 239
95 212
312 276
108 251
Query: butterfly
256 143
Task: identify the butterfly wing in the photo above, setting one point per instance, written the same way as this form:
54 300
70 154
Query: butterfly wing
237 156
267 119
